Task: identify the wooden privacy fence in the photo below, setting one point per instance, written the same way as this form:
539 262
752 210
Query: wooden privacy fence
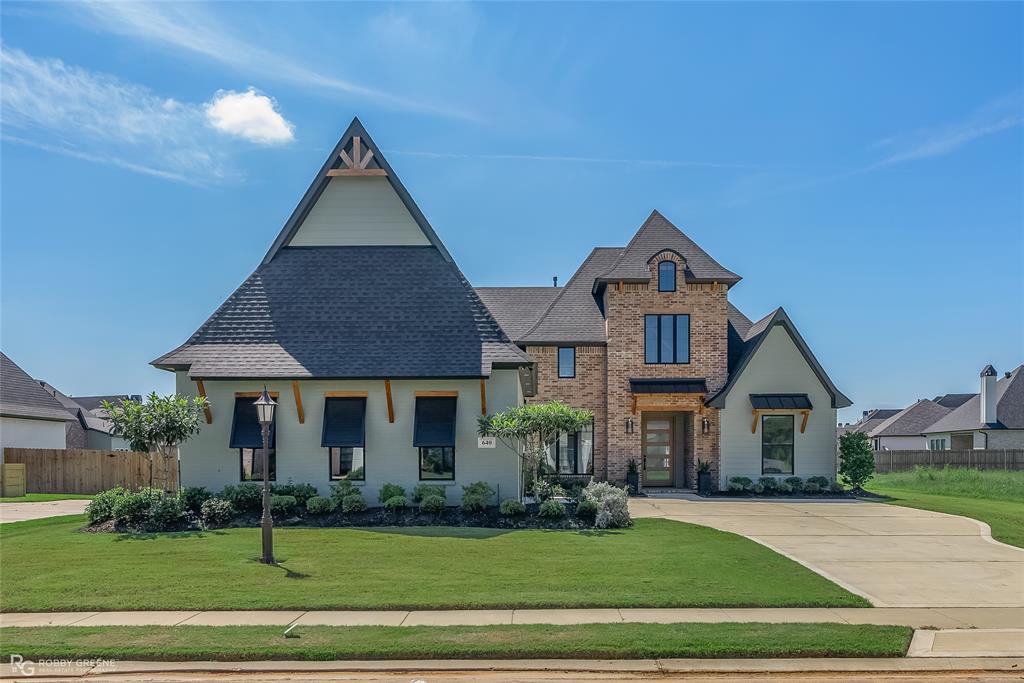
996 459
78 470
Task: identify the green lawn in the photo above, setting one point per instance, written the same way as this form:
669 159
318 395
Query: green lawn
48 565
587 641
994 497
46 497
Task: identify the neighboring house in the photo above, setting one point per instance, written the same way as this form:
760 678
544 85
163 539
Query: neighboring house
868 421
903 431
91 429
380 355
993 418
646 338
29 417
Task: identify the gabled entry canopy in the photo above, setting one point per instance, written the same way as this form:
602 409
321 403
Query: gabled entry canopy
356 185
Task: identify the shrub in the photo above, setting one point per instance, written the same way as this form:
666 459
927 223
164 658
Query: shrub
545 490
740 484
320 505
757 489
132 510
282 505
216 512
856 461
422 491
822 482
102 506
612 504
784 488
433 504
342 490
165 514
768 484
244 497
193 497
586 510
353 502
812 487
389 491
796 484
396 503
511 508
301 492
551 509
476 496
836 487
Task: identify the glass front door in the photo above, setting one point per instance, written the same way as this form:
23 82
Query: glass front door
657 449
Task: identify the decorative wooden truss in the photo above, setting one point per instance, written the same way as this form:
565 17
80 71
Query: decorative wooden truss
356 164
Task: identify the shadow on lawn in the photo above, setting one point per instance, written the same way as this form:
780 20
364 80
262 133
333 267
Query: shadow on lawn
173 535
478 533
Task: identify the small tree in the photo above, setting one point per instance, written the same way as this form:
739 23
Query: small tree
159 425
856 461
530 429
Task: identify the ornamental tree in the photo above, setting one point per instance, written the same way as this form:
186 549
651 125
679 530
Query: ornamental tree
159 425
529 429
856 461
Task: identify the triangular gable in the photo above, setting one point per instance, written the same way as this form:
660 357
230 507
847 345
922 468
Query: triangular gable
356 165
758 333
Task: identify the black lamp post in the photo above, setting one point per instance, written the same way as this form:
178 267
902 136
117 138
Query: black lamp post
265 410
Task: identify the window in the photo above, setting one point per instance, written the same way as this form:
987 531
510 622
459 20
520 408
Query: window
252 464
571 453
666 339
937 444
437 463
566 362
344 437
777 444
667 276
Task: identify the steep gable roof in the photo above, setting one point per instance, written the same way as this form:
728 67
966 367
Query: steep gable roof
952 400
752 342
93 419
1009 408
911 421
517 309
658 234
22 396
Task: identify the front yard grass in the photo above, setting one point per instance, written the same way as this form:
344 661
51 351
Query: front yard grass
49 565
46 497
994 497
586 641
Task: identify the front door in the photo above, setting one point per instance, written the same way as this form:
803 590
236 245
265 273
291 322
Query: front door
657 438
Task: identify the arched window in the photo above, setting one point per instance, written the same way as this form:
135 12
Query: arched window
667 276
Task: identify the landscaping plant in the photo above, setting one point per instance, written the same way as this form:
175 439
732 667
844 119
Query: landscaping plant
476 496
512 508
396 503
422 491
216 513
551 509
282 505
320 505
353 502
389 491
433 504
101 508
856 461
193 497
611 502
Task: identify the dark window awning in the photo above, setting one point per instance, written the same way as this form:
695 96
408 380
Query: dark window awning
245 425
435 422
780 402
669 385
344 423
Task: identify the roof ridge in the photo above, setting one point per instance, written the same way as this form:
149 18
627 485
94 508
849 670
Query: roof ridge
635 237
561 293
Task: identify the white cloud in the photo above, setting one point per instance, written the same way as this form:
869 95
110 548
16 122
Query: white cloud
248 115
64 109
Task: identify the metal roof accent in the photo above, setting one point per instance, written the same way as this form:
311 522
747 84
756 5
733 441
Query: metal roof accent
668 385
780 402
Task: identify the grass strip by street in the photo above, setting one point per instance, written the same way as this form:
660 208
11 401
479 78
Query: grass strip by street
994 497
49 565
46 497
585 641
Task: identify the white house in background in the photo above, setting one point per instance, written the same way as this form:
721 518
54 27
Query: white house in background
902 431
29 416
91 429
991 419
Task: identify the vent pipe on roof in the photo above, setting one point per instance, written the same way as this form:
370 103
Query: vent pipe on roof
988 395
554 281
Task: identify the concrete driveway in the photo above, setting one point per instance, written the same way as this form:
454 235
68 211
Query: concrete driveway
891 555
19 512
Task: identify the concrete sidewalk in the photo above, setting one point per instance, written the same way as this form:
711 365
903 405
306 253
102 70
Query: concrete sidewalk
20 512
935 618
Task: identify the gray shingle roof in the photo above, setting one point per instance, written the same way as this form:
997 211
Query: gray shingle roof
574 316
89 417
22 396
517 309
911 421
952 400
349 312
656 235
1009 408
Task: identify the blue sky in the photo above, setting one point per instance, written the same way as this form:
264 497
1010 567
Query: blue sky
860 165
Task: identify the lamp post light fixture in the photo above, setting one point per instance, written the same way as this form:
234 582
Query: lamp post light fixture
265 412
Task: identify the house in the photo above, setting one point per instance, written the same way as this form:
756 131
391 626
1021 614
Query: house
903 431
91 429
379 353
868 421
646 338
29 416
990 419
381 357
